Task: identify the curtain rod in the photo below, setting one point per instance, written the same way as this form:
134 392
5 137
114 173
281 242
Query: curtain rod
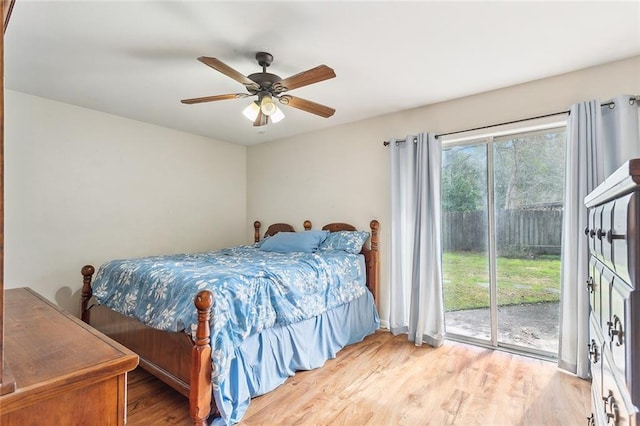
632 99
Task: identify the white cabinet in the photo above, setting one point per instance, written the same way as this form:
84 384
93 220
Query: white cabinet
614 287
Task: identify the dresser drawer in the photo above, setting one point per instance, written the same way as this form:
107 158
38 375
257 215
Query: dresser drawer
595 221
618 327
606 223
597 413
599 222
606 281
595 226
623 236
615 404
594 351
594 288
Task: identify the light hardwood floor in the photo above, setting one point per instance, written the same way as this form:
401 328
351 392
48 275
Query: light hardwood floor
386 380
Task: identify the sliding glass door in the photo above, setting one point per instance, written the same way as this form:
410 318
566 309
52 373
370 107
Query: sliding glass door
502 225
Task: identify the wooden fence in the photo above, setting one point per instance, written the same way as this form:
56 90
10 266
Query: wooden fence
518 232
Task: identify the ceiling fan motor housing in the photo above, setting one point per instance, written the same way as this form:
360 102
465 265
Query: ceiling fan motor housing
266 81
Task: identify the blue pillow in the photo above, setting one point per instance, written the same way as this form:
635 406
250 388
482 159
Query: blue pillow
349 241
285 242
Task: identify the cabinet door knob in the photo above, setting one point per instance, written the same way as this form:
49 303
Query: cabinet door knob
610 409
592 348
611 236
590 285
615 330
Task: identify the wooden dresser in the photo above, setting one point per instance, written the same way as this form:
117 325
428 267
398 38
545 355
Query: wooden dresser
614 287
66 373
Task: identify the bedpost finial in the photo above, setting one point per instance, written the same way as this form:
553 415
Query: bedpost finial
87 292
307 225
204 300
374 225
256 231
87 270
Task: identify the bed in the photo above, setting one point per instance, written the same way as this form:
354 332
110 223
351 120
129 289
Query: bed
220 355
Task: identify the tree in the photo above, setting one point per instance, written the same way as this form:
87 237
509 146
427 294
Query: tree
529 170
463 179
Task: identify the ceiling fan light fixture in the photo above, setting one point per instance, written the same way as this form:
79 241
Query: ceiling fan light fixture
267 105
251 112
277 116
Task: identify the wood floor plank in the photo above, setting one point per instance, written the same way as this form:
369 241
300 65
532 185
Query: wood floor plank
386 380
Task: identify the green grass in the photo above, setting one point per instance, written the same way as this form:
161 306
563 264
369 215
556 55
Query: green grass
466 280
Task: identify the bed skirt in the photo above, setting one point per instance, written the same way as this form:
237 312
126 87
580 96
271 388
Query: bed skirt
265 360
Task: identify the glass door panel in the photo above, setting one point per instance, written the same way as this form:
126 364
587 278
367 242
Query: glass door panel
465 260
528 190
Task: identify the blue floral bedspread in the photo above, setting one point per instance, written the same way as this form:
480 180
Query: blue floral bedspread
253 290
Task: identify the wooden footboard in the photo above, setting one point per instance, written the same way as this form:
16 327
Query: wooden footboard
164 354
173 357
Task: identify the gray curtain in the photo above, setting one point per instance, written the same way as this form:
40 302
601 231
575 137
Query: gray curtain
416 303
620 134
599 140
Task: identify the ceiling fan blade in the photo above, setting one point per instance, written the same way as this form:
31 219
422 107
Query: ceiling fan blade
308 106
314 75
214 98
261 120
225 69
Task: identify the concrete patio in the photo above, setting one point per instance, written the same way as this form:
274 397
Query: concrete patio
528 325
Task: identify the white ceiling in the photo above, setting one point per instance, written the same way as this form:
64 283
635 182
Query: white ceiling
138 59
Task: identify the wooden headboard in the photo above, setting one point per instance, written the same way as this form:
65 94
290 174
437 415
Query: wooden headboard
271 230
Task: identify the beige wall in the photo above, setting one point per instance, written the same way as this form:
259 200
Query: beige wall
342 174
84 187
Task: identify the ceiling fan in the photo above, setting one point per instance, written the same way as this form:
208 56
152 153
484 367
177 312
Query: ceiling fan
267 87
